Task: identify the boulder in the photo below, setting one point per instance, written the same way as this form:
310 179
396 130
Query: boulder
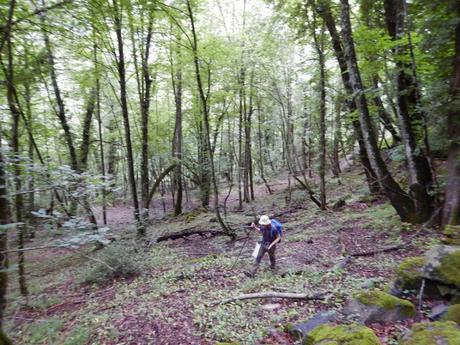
452 313
378 306
442 264
300 330
409 273
433 333
341 335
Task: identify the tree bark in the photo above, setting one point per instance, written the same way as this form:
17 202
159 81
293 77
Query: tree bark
124 109
208 152
176 78
402 203
409 114
324 11
451 213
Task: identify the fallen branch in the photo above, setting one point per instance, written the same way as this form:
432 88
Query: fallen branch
378 251
189 232
273 294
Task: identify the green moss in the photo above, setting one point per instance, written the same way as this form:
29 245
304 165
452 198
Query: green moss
227 343
408 273
446 332
453 313
452 234
449 270
386 301
341 335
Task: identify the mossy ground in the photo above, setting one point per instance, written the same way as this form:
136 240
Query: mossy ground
342 335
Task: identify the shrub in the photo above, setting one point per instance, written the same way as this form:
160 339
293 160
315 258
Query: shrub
124 262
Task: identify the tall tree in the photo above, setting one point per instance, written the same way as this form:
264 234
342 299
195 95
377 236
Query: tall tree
120 61
410 114
402 203
451 215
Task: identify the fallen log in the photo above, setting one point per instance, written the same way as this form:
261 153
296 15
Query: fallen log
189 232
273 294
378 251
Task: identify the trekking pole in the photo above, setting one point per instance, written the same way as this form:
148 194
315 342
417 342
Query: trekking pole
241 250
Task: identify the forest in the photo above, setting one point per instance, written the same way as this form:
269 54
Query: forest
230 172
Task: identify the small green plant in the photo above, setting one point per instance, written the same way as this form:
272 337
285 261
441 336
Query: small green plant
47 330
78 336
116 262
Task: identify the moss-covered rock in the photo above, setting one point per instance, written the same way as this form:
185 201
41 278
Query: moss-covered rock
443 265
453 313
409 273
452 234
379 306
341 335
433 333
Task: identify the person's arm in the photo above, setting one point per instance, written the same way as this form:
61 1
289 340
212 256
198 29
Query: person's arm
255 227
277 239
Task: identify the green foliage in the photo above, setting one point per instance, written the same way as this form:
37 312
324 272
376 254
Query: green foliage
124 262
78 336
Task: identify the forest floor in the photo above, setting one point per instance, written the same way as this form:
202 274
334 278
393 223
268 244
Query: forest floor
175 298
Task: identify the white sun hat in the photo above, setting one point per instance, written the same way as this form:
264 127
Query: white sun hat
264 220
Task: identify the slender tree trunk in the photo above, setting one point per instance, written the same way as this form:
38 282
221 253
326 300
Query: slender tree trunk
124 109
18 200
402 203
99 130
203 98
420 177
451 213
318 42
145 106
337 138
176 77
61 113
4 220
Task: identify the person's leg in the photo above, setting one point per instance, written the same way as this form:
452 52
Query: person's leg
271 254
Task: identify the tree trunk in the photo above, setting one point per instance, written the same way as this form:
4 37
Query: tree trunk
451 213
4 220
324 11
402 203
18 201
60 111
409 114
118 14
145 106
208 152
176 77
319 47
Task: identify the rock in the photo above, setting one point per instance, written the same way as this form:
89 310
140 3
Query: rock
409 273
300 330
451 234
379 306
341 335
438 312
433 333
452 313
443 265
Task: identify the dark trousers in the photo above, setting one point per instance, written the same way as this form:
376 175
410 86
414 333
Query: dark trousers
271 253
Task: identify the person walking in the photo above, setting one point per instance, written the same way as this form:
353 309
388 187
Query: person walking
271 231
